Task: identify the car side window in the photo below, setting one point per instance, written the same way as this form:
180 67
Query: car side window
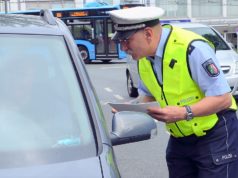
41 98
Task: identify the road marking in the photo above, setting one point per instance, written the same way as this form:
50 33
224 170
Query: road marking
118 97
108 89
119 67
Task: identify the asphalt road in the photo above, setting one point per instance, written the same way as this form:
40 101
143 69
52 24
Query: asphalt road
136 160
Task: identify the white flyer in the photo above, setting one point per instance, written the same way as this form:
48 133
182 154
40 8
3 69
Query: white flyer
139 107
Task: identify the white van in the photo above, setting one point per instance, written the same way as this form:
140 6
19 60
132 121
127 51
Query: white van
227 57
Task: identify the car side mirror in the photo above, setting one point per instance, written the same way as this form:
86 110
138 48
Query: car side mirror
129 126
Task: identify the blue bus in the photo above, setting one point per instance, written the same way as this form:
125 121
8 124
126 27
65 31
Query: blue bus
92 30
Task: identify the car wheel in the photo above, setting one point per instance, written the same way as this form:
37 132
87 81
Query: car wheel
132 91
85 55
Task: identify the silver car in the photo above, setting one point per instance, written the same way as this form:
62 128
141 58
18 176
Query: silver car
227 57
52 123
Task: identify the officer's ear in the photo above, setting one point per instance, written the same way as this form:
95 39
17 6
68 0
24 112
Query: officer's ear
148 32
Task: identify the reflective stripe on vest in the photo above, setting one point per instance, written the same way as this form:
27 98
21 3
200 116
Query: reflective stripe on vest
178 87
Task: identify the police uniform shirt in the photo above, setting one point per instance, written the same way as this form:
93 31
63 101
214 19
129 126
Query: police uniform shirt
205 68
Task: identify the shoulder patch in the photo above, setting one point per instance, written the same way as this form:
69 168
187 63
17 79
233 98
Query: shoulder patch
211 68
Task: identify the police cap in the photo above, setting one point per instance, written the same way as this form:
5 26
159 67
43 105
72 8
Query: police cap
128 21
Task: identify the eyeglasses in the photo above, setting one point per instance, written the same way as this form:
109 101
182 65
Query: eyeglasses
126 41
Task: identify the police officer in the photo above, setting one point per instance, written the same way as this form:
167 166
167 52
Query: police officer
179 69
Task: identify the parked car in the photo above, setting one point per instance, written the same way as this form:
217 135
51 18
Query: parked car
227 57
52 124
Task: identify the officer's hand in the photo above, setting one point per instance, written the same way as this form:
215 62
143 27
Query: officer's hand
167 114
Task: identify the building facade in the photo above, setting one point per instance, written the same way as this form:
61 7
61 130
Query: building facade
221 14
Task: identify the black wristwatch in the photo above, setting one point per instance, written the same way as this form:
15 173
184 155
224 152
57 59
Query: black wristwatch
189 113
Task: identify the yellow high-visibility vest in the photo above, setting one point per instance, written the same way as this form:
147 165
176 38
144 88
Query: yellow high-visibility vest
178 89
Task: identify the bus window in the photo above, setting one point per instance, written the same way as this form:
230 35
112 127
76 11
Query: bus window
81 29
82 32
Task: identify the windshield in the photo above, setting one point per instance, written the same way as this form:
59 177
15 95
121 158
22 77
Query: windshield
42 111
212 36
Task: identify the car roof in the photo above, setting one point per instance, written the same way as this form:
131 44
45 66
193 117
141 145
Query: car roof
188 24
27 24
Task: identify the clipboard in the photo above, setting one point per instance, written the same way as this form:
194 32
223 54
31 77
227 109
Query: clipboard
139 107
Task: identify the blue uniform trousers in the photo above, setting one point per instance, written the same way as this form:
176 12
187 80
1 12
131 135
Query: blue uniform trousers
214 155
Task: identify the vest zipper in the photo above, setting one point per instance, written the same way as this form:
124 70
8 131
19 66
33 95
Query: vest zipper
160 84
162 94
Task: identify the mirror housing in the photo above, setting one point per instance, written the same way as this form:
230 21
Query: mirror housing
129 126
